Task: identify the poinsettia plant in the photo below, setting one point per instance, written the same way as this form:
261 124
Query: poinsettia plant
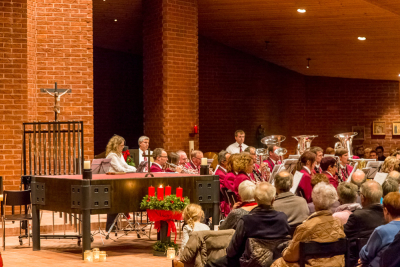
171 202
128 158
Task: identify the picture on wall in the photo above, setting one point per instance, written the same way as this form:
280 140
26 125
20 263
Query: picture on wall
378 128
360 131
396 128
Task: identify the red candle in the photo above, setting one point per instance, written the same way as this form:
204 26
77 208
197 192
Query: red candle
167 190
179 192
196 130
160 193
152 191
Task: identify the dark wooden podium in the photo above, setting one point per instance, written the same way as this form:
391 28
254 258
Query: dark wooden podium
113 194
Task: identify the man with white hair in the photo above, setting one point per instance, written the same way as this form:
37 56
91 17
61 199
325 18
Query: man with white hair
361 223
183 159
395 175
263 222
139 158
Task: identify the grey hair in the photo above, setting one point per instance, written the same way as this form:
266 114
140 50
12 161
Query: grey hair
222 156
246 191
194 153
395 175
264 193
180 152
283 181
372 191
324 195
347 192
390 185
142 138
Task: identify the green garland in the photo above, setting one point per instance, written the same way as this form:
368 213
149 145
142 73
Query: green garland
129 161
171 202
163 247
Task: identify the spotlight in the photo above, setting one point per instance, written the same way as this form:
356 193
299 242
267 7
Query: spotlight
301 10
308 63
115 19
361 38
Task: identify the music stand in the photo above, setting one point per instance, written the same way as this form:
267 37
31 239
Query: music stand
374 167
290 164
101 166
294 156
274 172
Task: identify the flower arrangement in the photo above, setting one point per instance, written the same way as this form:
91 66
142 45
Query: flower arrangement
163 246
171 202
128 158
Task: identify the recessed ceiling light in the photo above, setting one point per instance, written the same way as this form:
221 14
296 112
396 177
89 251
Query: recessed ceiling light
361 38
399 75
115 19
301 10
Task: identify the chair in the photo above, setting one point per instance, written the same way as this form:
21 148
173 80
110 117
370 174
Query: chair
230 196
322 250
293 228
360 243
17 198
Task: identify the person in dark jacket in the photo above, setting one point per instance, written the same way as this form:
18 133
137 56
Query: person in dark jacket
262 222
362 223
390 256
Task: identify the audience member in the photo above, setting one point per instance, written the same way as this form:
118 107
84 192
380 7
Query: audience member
390 256
320 227
293 206
263 222
316 179
347 193
246 193
359 151
192 214
396 154
373 155
367 152
358 178
383 235
389 185
305 164
395 175
388 164
361 223
319 153
379 151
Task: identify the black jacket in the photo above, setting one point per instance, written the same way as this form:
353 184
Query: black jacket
262 222
390 256
361 224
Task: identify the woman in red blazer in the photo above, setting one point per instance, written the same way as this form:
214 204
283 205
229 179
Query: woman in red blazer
305 165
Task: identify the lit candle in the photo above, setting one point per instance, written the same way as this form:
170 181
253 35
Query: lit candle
160 193
152 191
103 256
86 165
96 254
167 190
179 192
170 253
88 256
204 161
196 129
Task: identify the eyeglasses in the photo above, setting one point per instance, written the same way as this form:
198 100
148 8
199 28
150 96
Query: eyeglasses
197 158
164 156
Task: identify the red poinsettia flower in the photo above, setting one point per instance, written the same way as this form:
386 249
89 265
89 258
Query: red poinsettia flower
172 201
148 200
182 199
126 154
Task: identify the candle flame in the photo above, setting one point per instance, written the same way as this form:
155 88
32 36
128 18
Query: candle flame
160 185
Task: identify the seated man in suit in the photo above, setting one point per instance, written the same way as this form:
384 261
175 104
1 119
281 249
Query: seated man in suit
361 223
262 222
143 150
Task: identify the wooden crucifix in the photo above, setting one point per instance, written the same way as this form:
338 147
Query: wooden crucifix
148 156
58 93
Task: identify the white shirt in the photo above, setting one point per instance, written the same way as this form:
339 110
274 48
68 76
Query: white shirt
118 164
305 167
219 167
141 158
234 148
330 173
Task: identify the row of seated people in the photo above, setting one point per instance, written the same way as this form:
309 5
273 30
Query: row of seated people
271 213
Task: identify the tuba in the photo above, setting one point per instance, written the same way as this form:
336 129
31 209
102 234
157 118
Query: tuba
275 140
304 143
345 141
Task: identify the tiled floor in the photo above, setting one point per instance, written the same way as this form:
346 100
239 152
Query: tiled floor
128 250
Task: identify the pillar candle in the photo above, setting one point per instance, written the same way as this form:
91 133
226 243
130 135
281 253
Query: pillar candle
152 191
204 161
160 193
167 190
179 192
196 129
86 165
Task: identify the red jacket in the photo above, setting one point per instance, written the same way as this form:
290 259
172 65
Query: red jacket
305 185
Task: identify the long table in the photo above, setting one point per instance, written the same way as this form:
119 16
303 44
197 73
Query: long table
112 194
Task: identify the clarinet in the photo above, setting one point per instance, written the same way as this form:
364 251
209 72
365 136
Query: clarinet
256 174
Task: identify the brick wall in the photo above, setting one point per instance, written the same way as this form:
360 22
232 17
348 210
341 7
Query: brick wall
13 88
239 91
118 98
170 54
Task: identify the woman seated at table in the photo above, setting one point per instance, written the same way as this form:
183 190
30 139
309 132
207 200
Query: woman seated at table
114 152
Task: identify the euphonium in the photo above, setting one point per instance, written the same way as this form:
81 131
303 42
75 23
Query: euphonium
280 152
304 143
261 152
346 139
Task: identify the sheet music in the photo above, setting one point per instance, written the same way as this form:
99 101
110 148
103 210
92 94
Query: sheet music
374 167
351 174
274 172
296 181
380 177
329 155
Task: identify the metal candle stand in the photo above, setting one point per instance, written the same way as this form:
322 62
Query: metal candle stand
204 170
87 174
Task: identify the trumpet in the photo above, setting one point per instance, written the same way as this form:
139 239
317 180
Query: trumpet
184 169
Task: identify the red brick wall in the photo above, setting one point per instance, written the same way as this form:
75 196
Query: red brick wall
13 88
239 91
170 54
